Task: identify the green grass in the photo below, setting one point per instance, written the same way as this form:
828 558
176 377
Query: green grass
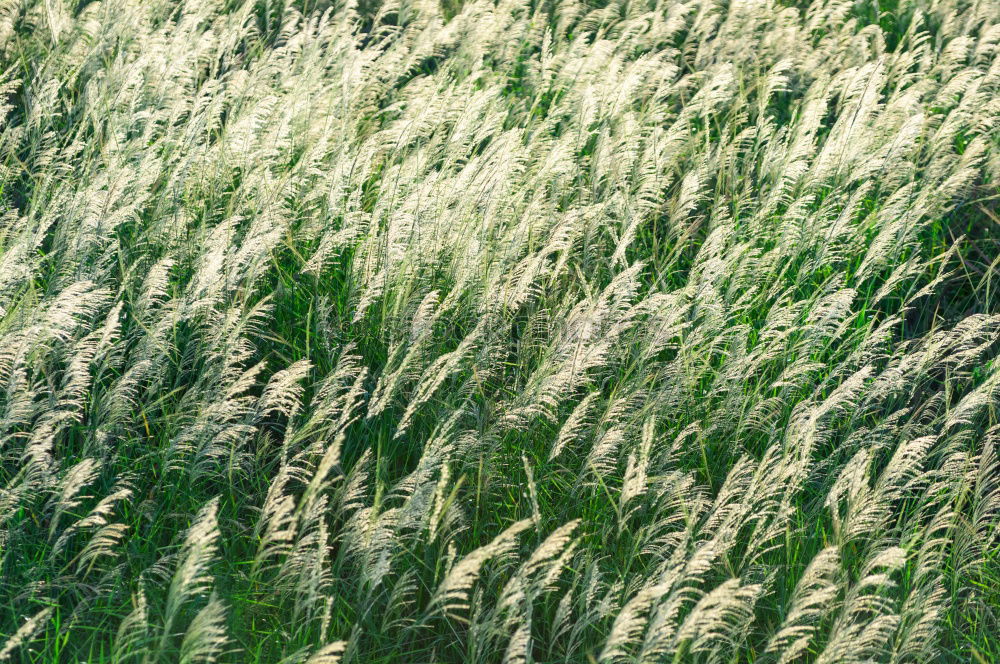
634 281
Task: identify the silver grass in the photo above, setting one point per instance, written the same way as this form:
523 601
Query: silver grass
452 595
354 267
25 633
205 637
192 577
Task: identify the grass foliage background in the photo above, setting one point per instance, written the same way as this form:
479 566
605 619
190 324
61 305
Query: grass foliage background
515 331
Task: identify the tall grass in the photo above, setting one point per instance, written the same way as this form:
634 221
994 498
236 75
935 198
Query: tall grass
513 331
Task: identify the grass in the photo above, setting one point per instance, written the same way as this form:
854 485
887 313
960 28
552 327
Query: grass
499 332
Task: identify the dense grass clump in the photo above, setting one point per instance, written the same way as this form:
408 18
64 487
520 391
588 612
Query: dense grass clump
512 331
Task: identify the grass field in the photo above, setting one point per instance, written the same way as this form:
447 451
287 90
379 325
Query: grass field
617 331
